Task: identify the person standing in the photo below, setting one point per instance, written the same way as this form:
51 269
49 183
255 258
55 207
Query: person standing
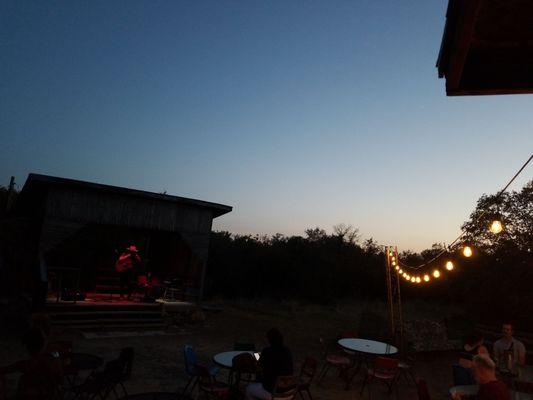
509 353
126 265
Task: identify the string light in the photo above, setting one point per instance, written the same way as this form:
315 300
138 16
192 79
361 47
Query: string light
413 279
426 278
467 251
400 271
397 268
418 279
436 273
496 227
449 265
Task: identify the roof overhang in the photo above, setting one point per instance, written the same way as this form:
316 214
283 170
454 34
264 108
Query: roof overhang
37 184
487 47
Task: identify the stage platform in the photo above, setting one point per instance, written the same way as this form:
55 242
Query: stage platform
105 312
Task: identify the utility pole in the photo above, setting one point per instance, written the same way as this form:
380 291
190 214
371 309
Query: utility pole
394 300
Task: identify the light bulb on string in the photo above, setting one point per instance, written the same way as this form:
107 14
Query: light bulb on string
400 271
467 251
426 278
393 263
413 279
418 279
449 265
496 226
397 268
436 273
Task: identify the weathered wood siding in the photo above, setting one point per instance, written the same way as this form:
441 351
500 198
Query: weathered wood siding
115 209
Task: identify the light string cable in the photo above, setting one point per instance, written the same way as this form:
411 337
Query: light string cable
446 248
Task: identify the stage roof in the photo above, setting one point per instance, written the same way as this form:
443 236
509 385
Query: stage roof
487 47
37 183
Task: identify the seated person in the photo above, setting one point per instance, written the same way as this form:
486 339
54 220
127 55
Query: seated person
490 388
41 373
472 347
275 360
509 352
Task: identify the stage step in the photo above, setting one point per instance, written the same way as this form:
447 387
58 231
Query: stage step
107 316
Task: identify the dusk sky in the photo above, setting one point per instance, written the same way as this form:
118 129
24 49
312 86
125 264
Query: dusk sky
296 113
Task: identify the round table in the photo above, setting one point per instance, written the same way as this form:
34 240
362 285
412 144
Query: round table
225 359
367 346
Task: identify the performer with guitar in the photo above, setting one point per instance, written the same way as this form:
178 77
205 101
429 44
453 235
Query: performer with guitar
128 261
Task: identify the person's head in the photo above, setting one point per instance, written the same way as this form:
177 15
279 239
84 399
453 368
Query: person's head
132 249
507 330
484 368
275 338
34 341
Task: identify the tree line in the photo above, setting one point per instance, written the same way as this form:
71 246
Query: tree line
495 283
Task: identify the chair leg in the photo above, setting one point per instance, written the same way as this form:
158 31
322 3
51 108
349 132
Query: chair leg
323 372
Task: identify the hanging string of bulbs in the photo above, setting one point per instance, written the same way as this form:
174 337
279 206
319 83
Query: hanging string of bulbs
414 275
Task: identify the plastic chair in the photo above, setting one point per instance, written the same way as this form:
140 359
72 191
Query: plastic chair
285 388
307 374
209 386
384 370
462 375
244 368
340 362
192 369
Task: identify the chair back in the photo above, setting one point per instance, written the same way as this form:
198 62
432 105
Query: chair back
523 386
244 363
190 358
422 389
308 370
462 376
244 347
385 364
285 388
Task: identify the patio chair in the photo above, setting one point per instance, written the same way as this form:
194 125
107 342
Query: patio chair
209 386
244 369
462 375
422 390
122 368
307 374
384 370
405 365
192 370
339 362
285 388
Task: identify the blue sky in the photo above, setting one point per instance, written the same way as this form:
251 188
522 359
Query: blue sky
297 113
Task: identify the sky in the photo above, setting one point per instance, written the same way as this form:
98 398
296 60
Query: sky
296 113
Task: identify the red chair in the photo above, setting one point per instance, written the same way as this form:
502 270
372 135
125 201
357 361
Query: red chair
339 362
209 386
384 370
307 374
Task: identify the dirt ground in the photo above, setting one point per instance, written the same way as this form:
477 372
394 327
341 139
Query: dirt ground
158 362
